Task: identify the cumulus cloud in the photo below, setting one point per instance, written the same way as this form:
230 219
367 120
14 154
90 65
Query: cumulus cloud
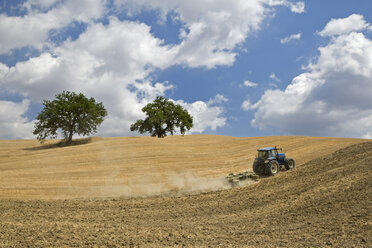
212 29
353 23
33 29
290 38
122 53
206 115
13 125
331 99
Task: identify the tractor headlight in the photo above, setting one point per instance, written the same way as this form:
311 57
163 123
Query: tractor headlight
266 161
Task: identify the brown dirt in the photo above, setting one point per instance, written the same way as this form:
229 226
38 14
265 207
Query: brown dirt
326 202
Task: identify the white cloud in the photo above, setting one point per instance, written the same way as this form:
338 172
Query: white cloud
246 105
218 99
297 7
32 29
274 77
35 78
12 123
123 52
211 29
206 115
290 38
353 23
333 98
248 83
44 5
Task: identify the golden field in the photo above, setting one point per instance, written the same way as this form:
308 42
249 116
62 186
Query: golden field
139 166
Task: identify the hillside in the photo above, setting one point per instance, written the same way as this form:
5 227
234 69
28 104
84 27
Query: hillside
139 166
325 202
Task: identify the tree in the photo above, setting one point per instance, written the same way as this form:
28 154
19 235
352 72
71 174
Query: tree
163 116
72 113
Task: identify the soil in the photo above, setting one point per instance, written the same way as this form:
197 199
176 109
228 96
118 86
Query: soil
326 202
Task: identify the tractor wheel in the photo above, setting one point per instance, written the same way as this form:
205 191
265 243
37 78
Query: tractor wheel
272 168
289 164
256 169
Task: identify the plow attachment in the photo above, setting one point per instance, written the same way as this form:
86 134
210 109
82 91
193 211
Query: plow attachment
235 179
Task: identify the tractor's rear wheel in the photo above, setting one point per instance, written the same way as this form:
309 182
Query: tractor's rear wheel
256 169
272 168
289 164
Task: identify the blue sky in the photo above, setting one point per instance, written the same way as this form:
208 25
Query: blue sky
242 68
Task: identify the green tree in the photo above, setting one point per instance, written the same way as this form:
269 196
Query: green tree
72 113
163 116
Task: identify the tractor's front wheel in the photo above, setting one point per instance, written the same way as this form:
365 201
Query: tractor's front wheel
272 168
289 164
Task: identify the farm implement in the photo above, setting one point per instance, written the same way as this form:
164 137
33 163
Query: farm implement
235 179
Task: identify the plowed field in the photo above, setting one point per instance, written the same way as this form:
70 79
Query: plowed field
324 202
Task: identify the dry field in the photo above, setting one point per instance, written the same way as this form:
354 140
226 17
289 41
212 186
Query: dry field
139 166
326 201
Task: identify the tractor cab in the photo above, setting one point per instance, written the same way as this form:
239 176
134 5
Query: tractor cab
268 153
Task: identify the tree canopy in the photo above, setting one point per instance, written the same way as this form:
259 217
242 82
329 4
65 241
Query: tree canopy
71 113
163 116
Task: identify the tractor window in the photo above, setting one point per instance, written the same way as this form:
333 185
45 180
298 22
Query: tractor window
272 153
263 154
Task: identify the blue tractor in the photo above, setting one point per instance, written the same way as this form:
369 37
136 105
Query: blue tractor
269 161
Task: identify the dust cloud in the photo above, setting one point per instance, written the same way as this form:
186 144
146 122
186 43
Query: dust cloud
169 184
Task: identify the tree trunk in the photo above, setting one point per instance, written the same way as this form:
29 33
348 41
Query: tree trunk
69 139
71 132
